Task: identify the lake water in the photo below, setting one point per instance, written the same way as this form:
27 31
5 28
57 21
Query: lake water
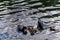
28 13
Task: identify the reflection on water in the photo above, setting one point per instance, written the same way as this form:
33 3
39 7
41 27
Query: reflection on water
28 13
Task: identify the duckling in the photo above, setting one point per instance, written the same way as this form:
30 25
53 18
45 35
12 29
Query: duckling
52 29
24 30
31 30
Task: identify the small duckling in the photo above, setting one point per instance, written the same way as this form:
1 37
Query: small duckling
31 30
52 29
24 30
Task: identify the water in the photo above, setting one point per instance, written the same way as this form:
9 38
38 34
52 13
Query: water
28 12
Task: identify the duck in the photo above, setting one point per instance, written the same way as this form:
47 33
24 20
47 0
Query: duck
31 30
22 29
